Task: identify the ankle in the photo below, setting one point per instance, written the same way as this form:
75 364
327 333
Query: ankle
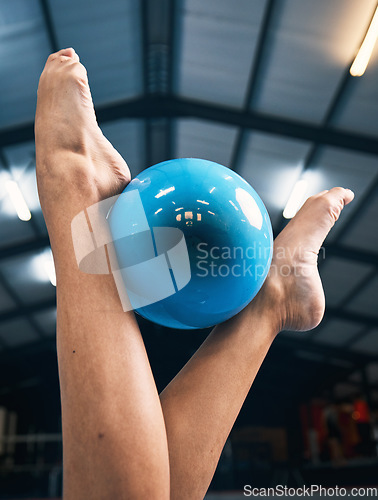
67 185
268 305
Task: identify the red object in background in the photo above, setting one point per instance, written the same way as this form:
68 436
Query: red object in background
361 413
303 411
348 429
318 422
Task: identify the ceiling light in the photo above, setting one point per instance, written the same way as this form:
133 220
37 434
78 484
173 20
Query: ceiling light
18 200
296 199
362 59
48 264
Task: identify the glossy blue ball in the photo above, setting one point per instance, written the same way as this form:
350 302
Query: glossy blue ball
219 265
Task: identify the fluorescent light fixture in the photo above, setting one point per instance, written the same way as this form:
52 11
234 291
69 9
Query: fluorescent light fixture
18 200
296 199
362 59
48 264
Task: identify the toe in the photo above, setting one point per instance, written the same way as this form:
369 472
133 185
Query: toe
335 200
70 52
316 218
64 53
339 194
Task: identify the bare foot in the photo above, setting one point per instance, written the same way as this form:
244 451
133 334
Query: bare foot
293 289
66 129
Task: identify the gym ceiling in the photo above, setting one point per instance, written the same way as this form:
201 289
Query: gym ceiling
262 86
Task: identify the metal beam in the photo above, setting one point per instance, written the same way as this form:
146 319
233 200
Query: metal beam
159 133
172 41
272 125
26 310
144 31
47 17
146 75
356 337
156 25
25 247
364 203
335 105
349 253
364 319
254 79
358 288
175 107
333 108
4 283
329 351
173 44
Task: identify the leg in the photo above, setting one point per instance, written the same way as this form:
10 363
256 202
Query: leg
114 439
202 402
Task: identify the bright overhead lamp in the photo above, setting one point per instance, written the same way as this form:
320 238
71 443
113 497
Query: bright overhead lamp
48 264
296 199
18 200
362 59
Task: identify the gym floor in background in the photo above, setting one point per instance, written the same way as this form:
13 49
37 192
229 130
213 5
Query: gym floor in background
264 87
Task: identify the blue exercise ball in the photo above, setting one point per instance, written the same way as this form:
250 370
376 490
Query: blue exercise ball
193 242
